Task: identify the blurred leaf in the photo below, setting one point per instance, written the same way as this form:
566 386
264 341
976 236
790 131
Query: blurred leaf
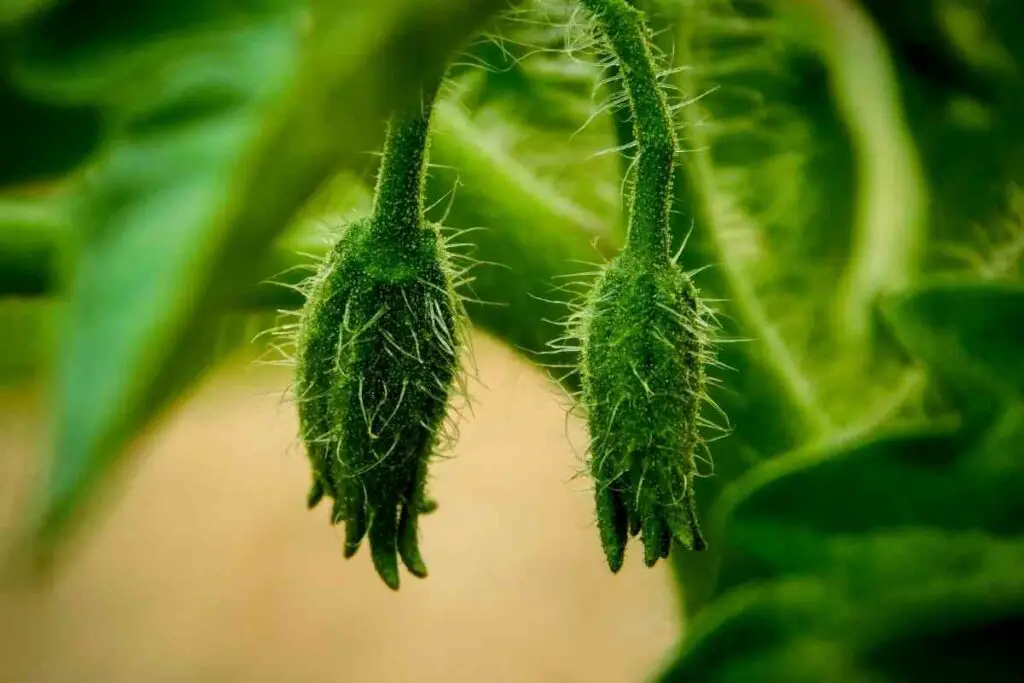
530 239
786 516
520 63
781 146
14 11
31 232
916 535
154 211
531 86
970 332
42 141
961 66
909 607
765 163
775 632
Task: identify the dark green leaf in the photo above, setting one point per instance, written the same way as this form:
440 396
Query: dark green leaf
968 331
42 141
871 617
777 632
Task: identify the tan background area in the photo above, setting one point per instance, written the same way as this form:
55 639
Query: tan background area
205 566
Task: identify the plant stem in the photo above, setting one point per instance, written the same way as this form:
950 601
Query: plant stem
626 34
891 195
398 200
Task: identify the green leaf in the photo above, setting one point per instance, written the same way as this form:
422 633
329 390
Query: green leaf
518 65
959 66
42 141
741 221
31 232
766 162
879 614
809 130
912 478
915 534
967 331
530 239
14 11
777 632
152 215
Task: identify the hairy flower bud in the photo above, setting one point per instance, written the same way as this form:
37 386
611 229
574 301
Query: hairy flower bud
379 349
378 356
642 370
643 338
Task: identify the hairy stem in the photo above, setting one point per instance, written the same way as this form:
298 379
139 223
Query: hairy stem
626 34
398 200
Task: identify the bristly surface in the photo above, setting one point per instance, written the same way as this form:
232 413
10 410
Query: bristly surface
644 351
378 357
643 334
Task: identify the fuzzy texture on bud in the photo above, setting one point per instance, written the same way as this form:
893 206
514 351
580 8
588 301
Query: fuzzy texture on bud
642 370
643 334
378 356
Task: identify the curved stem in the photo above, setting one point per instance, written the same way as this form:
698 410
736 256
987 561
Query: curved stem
626 33
398 199
889 222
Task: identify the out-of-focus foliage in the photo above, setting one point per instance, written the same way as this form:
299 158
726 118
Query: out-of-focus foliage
884 544
851 179
894 554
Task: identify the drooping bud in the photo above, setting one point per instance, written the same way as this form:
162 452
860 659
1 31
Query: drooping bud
642 370
378 356
643 335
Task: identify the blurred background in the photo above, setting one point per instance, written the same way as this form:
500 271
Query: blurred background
206 566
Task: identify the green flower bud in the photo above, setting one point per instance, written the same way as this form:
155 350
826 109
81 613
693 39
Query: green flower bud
642 371
378 355
643 335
